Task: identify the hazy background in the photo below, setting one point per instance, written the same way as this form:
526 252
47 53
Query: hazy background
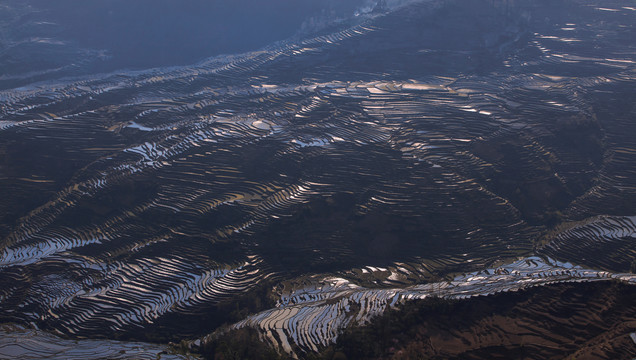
41 39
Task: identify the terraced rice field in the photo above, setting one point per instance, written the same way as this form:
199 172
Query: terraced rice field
313 317
349 171
39 345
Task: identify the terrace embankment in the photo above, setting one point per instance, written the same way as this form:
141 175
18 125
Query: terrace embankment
567 320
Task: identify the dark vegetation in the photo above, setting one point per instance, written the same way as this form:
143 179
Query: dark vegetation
240 344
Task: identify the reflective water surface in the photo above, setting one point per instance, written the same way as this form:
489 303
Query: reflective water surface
395 155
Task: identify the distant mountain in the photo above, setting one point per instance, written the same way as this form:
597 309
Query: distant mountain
45 39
